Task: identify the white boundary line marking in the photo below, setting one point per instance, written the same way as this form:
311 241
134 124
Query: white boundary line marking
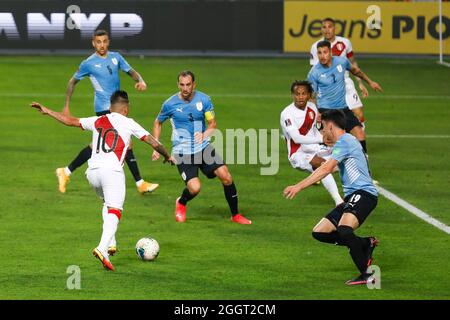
415 211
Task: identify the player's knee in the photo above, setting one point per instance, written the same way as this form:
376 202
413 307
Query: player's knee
227 179
194 189
225 176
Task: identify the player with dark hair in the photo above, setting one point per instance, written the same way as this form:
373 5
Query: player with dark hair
102 67
328 81
298 122
188 111
111 136
342 47
360 200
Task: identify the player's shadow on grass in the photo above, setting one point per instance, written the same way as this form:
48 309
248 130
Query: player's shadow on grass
211 214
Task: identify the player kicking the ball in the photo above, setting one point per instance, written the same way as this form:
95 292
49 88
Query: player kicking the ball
102 68
298 123
188 110
361 196
111 136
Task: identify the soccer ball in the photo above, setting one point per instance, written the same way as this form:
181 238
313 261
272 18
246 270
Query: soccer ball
147 249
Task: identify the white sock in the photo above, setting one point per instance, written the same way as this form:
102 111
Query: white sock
138 183
110 224
105 213
329 184
67 171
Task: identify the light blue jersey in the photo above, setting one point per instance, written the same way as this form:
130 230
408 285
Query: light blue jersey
353 166
329 83
187 118
104 75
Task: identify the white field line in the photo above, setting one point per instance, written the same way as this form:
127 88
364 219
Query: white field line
218 95
415 211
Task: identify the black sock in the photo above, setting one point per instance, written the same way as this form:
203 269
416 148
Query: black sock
232 198
132 164
331 237
355 244
364 146
80 159
186 196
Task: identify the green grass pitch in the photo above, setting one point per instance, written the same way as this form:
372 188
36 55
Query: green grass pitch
43 232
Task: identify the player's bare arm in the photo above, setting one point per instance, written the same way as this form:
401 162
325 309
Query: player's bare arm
65 119
358 73
157 126
362 87
69 92
320 173
140 83
199 136
159 148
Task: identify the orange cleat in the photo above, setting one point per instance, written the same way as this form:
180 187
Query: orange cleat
103 259
239 218
180 211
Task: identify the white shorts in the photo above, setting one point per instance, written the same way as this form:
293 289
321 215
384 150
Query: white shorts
351 95
301 160
109 185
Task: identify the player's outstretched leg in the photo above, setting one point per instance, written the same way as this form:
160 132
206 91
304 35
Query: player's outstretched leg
192 189
142 186
231 195
325 231
63 174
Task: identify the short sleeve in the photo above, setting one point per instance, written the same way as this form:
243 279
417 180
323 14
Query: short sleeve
347 64
137 130
83 71
164 114
349 49
123 64
209 110
340 151
285 121
88 123
312 80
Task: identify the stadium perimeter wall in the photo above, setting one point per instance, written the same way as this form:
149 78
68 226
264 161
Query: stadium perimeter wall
229 28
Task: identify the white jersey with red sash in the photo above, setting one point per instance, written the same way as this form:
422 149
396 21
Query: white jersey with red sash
110 139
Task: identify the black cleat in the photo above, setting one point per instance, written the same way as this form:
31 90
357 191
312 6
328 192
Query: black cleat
373 243
363 278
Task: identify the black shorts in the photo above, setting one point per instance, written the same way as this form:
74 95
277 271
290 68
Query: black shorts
207 161
102 113
351 120
360 203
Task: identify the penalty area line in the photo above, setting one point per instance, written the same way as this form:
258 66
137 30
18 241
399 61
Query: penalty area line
415 211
